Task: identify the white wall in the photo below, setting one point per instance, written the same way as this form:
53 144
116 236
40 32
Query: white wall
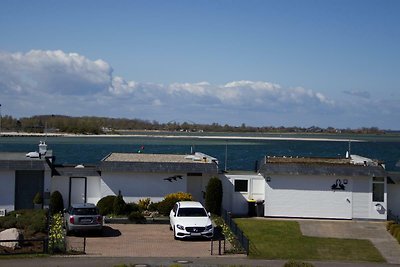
61 184
393 201
7 190
307 196
136 186
237 202
361 197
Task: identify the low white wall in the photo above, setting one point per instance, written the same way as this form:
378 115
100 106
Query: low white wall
7 190
136 186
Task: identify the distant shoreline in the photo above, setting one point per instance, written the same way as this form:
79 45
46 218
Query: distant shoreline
206 137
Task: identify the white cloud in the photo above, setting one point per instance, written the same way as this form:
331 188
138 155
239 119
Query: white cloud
55 82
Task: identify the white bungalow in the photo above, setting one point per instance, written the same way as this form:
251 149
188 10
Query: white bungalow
22 176
352 188
135 176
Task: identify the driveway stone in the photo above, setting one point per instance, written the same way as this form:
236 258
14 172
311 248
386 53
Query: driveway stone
373 231
140 240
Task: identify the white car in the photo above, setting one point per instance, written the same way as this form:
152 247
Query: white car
190 219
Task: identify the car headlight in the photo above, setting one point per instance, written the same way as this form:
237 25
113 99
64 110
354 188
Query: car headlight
209 227
181 227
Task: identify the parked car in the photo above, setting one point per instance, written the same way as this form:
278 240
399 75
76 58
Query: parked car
190 219
83 217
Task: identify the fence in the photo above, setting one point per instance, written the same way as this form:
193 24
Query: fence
24 246
242 239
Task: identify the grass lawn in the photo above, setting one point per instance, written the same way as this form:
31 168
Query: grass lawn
270 239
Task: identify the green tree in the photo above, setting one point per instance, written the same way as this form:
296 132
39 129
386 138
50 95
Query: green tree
214 196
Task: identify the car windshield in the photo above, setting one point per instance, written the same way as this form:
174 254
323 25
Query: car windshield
192 212
84 211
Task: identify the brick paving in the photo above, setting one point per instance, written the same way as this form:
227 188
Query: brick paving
140 240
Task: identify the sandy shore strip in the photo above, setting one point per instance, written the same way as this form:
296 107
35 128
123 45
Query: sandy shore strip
200 137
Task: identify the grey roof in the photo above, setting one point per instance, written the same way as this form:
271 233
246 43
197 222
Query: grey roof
63 170
319 166
19 161
394 177
157 163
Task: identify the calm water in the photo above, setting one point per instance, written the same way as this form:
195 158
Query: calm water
241 154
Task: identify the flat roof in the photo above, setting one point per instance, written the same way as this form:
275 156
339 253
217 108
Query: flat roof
308 160
171 163
19 161
139 157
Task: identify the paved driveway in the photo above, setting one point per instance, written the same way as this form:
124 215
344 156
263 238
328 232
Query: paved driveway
373 231
140 240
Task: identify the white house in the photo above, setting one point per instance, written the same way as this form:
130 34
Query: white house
136 176
347 188
393 192
22 176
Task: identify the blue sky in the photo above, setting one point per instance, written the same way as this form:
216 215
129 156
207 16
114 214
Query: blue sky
292 63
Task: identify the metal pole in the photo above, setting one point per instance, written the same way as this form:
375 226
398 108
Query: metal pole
0 119
226 154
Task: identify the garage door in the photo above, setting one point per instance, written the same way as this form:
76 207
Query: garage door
308 196
27 184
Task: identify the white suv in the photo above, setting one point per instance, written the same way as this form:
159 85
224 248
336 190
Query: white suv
190 219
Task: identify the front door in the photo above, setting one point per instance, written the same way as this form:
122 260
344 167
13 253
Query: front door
77 190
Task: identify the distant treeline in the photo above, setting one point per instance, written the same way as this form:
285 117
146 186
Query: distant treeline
101 125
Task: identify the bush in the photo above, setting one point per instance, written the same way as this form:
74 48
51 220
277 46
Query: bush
165 206
56 202
119 205
153 206
131 207
293 263
214 196
393 228
136 217
144 204
31 221
106 205
388 224
38 199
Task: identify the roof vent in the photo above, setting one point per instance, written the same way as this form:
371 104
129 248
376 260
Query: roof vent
42 148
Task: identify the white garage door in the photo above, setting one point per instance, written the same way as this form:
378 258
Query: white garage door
308 196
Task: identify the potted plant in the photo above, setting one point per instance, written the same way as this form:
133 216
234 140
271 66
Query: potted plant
38 201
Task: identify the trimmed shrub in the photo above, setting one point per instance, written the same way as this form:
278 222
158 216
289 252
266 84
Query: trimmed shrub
106 205
214 196
38 199
56 202
119 205
137 217
165 206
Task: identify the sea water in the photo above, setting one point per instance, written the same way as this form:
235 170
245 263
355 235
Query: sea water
232 154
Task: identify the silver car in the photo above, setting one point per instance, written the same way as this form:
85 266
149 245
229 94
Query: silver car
83 217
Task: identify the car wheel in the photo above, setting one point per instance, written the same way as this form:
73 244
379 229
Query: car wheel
175 235
170 227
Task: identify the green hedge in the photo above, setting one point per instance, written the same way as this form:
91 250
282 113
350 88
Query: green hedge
214 196
106 205
31 221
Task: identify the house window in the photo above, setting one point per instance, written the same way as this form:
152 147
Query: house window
241 185
378 189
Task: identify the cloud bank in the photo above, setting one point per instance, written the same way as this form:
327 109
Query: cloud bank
55 82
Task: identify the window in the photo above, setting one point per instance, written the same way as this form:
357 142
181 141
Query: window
241 185
378 189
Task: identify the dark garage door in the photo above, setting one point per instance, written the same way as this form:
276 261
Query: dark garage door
27 184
